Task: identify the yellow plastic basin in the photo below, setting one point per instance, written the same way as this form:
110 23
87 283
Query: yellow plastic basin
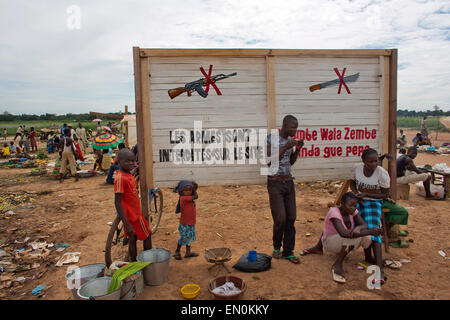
190 291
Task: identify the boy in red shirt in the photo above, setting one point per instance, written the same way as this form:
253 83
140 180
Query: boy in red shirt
186 205
128 204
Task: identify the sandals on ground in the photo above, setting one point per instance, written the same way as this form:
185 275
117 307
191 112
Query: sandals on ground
382 281
177 256
292 259
393 264
337 277
305 252
399 244
276 253
191 255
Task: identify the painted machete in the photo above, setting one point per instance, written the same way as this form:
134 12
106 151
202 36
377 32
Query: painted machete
319 86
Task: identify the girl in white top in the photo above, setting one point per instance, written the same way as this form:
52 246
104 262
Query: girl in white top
371 183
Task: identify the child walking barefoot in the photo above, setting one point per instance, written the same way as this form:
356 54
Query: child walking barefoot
186 205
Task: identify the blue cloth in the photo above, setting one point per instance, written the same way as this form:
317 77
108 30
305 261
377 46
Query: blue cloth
371 211
112 169
38 289
179 188
187 235
50 146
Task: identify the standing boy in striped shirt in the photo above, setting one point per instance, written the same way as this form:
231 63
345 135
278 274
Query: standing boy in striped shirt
128 204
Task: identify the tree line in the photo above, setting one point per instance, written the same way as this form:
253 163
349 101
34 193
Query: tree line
8 117
428 113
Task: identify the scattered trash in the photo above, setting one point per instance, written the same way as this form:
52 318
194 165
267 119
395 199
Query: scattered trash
69 257
362 265
409 208
219 234
21 280
61 247
17 268
38 289
405 261
164 239
308 234
40 245
109 223
9 213
443 254
167 233
41 273
267 218
19 250
359 267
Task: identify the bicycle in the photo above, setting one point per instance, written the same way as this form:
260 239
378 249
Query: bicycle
117 244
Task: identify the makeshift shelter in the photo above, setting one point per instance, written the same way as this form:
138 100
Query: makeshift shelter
128 125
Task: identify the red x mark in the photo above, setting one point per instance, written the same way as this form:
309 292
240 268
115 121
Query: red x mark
342 82
209 81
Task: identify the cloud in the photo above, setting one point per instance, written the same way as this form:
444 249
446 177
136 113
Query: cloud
46 67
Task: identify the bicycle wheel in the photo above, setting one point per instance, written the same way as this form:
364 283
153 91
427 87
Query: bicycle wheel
116 244
155 210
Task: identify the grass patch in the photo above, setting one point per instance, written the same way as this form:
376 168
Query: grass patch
433 124
11 127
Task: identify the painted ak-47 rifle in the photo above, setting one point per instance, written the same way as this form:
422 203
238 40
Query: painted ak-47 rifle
198 86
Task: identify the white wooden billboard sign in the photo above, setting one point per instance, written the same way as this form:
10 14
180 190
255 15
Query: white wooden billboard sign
336 122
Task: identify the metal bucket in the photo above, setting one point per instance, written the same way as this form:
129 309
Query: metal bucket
132 289
156 272
78 276
97 289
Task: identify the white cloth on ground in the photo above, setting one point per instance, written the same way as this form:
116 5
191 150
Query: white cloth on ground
227 289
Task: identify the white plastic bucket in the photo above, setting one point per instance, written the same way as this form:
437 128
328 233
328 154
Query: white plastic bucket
155 273
76 277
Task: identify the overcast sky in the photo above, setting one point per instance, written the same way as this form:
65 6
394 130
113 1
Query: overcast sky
48 64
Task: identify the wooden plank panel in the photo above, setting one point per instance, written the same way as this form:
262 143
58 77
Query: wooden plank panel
262 52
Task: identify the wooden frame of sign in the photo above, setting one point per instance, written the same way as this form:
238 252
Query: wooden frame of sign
272 83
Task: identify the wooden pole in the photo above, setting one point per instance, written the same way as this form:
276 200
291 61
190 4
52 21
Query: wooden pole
140 130
147 128
393 120
126 110
384 109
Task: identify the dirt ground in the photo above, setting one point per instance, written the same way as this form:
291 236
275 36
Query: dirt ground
237 217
